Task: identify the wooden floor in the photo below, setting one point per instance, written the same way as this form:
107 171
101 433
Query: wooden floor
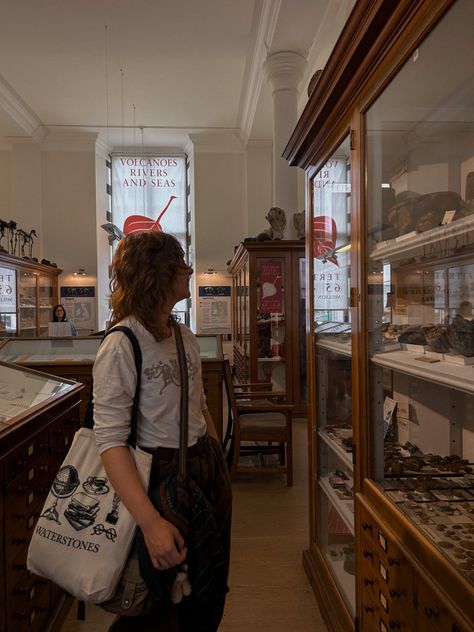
269 591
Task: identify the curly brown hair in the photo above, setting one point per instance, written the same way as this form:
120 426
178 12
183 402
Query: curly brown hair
144 269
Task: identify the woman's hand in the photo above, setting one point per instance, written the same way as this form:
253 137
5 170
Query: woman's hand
164 542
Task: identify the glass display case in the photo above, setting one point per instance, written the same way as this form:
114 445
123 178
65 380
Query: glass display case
71 358
268 328
210 346
28 293
22 391
43 351
332 375
387 143
212 363
420 275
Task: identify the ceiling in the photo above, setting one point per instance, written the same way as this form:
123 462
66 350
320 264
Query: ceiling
151 72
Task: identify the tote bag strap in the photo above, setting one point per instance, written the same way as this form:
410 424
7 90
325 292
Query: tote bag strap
89 417
183 428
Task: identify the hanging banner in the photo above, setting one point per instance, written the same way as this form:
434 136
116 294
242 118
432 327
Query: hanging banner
149 193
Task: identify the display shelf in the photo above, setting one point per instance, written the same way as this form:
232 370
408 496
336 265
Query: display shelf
343 507
409 246
344 579
345 457
344 348
274 359
460 377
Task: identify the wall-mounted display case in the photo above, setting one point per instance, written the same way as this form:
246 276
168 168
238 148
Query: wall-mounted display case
28 293
388 151
268 311
39 415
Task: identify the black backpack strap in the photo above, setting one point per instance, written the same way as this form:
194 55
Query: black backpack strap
89 416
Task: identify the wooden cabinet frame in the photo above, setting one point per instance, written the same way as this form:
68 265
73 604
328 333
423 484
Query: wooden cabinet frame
377 40
244 270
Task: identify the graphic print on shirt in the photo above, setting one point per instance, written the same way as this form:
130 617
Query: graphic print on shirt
167 372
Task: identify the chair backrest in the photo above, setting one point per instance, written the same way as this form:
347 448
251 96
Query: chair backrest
229 387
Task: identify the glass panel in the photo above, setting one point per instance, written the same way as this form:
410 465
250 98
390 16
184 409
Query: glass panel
331 212
21 390
271 321
46 298
8 322
51 350
27 303
420 175
210 346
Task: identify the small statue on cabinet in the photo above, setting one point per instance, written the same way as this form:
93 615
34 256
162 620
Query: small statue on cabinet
277 219
26 238
12 236
299 224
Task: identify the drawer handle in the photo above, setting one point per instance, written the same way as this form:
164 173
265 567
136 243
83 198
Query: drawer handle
19 567
20 541
394 561
368 609
394 625
368 582
393 592
366 526
18 516
432 612
367 553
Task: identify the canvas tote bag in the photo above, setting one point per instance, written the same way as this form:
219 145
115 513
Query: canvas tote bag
84 534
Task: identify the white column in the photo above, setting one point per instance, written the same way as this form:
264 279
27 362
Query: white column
284 70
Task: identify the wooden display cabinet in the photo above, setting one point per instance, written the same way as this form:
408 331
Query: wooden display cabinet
39 416
268 307
388 150
28 293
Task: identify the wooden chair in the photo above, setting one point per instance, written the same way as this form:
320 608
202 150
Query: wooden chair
255 417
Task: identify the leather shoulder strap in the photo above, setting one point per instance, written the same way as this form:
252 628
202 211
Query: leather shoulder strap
183 429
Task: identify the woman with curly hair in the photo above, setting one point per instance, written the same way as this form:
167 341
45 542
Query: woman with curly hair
149 276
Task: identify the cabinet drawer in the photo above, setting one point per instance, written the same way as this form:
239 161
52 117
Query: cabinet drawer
26 593
25 493
432 613
17 546
30 615
25 454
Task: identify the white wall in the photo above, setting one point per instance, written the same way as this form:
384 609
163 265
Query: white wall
259 175
69 203
60 190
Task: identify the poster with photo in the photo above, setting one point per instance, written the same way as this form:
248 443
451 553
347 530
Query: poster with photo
79 303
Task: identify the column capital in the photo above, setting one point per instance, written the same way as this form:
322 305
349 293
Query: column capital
284 70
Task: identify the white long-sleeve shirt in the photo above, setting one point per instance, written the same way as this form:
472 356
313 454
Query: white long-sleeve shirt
114 383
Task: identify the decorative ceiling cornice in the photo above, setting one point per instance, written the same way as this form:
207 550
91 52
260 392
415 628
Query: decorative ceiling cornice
16 108
220 142
256 74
